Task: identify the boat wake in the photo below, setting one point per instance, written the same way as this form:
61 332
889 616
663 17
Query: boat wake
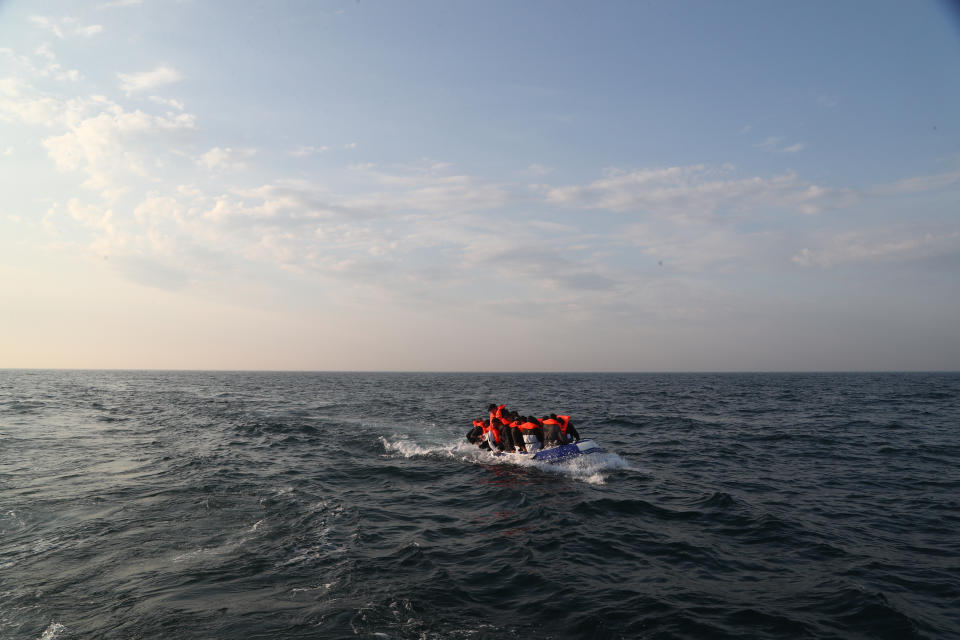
593 468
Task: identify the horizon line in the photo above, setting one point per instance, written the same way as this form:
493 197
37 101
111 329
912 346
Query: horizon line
486 372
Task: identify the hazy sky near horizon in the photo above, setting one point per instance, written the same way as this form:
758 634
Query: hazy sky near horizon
646 186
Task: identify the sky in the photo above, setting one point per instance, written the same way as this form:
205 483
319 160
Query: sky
480 186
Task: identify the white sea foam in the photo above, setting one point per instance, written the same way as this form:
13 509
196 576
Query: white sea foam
325 587
54 631
591 468
17 521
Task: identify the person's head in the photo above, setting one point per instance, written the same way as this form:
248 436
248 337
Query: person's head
553 415
491 407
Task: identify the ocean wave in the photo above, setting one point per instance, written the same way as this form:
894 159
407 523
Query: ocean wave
53 632
302 506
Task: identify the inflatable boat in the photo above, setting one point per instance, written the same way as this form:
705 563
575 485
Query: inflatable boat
561 453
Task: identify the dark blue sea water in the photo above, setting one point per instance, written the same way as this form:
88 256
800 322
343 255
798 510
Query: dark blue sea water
338 505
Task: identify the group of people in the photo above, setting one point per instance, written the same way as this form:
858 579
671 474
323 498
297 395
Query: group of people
508 431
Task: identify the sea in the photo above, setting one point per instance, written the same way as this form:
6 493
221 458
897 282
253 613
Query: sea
243 505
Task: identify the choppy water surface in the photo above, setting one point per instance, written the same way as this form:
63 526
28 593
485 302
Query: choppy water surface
272 505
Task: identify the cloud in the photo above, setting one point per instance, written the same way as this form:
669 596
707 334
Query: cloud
18 103
91 215
288 204
919 184
64 26
107 142
47 24
147 80
695 191
872 246
695 250
427 187
226 159
551 270
89 31
827 101
44 65
168 102
307 150
794 148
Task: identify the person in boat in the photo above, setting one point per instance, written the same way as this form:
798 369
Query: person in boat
552 433
500 420
502 426
532 434
491 436
515 431
569 432
496 411
506 430
474 435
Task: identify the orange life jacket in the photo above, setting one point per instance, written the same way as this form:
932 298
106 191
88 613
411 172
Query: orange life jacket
550 421
564 423
496 434
528 426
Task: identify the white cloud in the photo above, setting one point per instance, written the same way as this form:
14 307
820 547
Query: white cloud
794 148
350 145
156 208
107 142
919 183
8 151
307 150
745 130
878 246
45 51
47 24
89 31
426 186
695 191
88 214
226 159
45 66
693 250
60 28
146 80
168 102
17 104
